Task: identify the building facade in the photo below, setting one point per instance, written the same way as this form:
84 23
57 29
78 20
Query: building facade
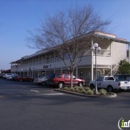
113 49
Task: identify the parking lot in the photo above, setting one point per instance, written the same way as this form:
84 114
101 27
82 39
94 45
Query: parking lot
25 106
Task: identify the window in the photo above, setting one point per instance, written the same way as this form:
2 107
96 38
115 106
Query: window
66 76
109 78
58 76
100 79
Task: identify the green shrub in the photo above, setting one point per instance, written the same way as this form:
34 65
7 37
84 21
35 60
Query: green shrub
76 87
102 92
81 88
93 90
83 91
87 88
77 90
71 89
90 92
66 88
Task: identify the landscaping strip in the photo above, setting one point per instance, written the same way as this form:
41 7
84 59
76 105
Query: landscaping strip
85 95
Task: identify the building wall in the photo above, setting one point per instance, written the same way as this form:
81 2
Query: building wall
111 54
118 51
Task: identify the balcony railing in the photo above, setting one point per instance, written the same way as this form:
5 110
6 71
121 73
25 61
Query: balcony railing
103 52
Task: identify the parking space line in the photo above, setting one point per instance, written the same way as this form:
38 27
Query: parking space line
34 91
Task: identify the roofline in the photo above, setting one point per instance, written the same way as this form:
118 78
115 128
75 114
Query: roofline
43 51
111 38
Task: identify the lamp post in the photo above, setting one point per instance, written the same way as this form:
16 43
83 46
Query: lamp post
96 48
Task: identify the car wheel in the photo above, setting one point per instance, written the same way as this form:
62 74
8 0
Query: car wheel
92 86
109 88
80 84
61 85
20 80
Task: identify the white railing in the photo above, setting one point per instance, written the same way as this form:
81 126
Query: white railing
103 52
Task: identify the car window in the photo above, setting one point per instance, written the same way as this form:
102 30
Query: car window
66 76
9 74
109 78
58 76
100 79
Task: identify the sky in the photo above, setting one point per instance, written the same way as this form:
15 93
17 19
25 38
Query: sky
17 17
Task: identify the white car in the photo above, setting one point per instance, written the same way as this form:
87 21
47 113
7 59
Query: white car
10 75
7 75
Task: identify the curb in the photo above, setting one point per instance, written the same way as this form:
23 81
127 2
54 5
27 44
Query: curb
84 95
109 96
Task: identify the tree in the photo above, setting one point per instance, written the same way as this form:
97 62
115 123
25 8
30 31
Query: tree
68 34
124 67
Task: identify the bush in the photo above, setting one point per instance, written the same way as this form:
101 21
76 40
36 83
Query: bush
77 90
66 88
86 88
83 91
81 88
103 92
90 92
71 89
76 87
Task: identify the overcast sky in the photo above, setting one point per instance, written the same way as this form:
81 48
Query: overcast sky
19 16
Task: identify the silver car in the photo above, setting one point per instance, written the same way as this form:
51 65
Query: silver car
41 80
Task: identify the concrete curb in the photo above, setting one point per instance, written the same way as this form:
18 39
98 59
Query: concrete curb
109 96
84 95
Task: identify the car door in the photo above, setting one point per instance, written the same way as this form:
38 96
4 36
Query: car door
99 82
106 81
67 79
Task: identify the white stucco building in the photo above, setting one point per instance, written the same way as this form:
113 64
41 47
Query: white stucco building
113 49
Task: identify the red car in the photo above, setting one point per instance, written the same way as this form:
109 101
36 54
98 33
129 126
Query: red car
19 78
64 79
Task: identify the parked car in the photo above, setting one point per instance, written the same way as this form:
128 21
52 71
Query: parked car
41 80
7 75
63 79
2 75
11 77
118 82
19 78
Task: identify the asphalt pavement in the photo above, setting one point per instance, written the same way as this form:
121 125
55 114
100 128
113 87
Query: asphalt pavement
25 106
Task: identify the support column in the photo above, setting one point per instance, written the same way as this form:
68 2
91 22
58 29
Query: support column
129 52
38 72
111 69
91 61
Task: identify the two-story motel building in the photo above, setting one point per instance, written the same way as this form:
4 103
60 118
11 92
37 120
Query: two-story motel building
113 49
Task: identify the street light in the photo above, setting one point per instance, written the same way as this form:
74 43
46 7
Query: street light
96 48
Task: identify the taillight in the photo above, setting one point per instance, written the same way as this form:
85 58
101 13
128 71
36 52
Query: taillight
119 84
